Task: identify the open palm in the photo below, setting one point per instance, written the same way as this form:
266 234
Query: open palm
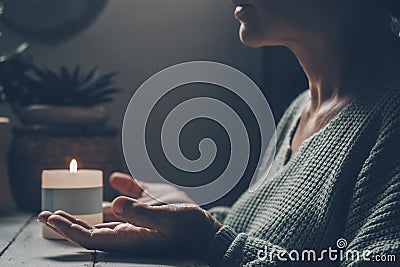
182 229
112 236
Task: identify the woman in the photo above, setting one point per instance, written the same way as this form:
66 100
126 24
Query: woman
336 173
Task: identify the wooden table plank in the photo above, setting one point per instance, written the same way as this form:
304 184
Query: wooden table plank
30 249
10 225
116 260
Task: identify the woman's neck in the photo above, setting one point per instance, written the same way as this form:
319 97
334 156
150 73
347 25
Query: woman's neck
339 63
326 69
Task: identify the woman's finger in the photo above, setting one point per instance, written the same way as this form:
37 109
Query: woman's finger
125 184
110 225
43 217
108 215
75 232
103 238
73 219
143 215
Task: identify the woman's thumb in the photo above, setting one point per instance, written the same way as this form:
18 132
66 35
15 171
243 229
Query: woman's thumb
125 184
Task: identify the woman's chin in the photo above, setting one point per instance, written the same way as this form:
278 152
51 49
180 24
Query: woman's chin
250 37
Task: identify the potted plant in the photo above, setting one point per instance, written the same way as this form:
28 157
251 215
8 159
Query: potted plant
65 98
62 117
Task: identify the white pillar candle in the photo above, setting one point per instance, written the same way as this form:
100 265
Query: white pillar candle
78 192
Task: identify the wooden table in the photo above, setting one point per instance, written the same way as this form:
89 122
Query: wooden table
21 243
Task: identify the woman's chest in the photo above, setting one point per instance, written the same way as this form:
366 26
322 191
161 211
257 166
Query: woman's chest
307 196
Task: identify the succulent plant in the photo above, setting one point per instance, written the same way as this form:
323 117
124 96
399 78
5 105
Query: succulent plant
22 83
69 88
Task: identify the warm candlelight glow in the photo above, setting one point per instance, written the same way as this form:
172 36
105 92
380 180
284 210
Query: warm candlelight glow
73 166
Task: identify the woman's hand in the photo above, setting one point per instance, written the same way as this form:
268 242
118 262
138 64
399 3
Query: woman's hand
183 229
153 194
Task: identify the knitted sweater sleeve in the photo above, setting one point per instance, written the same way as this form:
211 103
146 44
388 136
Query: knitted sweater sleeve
373 223
372 226
219 213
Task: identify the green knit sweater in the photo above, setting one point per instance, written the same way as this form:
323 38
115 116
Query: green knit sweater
342 184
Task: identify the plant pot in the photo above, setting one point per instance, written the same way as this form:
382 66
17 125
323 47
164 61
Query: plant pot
5 195
50 136
63 116
35 148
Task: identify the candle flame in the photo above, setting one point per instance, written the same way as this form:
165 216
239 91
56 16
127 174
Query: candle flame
73 166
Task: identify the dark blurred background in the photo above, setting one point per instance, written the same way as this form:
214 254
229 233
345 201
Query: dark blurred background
140 38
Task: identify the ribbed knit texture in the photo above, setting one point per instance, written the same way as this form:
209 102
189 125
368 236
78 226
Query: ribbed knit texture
343 182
